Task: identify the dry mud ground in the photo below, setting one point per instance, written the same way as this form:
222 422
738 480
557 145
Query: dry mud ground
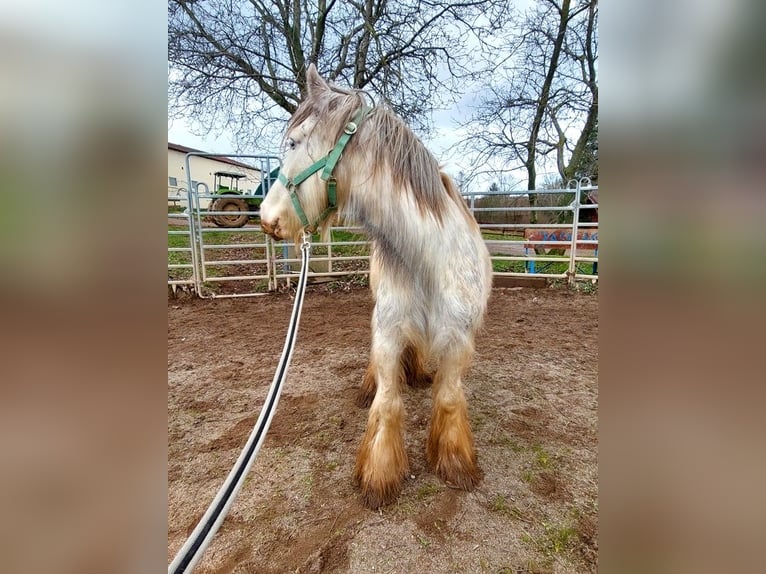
532 395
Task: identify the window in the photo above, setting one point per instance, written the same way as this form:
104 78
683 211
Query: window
172 181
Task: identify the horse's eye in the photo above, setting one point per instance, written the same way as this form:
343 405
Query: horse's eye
290 143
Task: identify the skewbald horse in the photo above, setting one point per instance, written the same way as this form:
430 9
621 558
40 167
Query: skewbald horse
430 275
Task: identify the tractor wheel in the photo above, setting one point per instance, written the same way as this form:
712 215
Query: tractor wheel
235 208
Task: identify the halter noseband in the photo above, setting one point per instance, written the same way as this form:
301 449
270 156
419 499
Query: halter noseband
327 165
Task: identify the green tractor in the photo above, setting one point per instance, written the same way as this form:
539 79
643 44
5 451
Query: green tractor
236 203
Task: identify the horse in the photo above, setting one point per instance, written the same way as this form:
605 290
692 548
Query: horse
430 271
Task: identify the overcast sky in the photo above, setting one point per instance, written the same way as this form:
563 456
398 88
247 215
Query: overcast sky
441 142
445 135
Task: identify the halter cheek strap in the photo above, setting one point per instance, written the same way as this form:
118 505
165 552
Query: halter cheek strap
327 165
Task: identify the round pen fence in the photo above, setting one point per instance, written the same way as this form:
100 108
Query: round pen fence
544 234
550 233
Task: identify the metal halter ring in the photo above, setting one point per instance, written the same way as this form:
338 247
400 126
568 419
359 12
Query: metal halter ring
350 128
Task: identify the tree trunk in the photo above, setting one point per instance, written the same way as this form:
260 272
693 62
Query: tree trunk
542 105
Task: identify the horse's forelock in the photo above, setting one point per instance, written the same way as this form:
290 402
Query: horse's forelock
333 107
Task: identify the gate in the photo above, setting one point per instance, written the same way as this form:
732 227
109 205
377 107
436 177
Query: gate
242 262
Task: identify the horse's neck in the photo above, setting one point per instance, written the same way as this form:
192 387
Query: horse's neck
401 232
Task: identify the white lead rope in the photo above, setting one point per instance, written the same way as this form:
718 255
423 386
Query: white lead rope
195 545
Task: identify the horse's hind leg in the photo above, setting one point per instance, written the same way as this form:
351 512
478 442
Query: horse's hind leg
366 392
413 371
450 448
413 367
382 461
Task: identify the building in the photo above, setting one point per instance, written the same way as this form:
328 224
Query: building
203 170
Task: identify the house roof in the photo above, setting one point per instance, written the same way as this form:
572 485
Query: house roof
184 149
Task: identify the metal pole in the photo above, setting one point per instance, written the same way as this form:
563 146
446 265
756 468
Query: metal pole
271 264
193 242
575 220
197 211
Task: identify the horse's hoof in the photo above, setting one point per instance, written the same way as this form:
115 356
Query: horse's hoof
378 491
462 479
458 472
375 497
381 466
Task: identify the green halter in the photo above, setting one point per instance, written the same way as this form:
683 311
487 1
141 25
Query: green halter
327 165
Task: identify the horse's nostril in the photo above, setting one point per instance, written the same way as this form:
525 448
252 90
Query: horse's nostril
270 227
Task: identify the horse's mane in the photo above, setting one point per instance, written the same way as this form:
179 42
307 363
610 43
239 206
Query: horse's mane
384 137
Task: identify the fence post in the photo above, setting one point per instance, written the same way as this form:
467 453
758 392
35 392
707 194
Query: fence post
270 265
575 220
191 208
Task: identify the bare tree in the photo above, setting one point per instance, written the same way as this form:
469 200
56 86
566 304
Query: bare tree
544 101
242 63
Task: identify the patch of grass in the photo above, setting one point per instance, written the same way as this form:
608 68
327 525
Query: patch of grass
498 504
506 441
532 567
307 484
542 266
527 476
332 465
347 282
557 538
405 506
508 266
424 542
553 541
428 490
278 452
510 235
584 286
349 250
543 459
338 532
478 420
322 437
179 257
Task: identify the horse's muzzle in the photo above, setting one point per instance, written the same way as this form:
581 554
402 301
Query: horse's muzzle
271 228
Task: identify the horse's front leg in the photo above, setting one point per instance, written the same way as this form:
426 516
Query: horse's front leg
382 460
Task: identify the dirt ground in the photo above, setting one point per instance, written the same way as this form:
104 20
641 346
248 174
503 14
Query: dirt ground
532 395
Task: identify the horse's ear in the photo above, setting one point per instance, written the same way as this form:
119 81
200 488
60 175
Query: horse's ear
314 82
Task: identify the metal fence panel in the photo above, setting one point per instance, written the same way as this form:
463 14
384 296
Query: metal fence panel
213 257
523 248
